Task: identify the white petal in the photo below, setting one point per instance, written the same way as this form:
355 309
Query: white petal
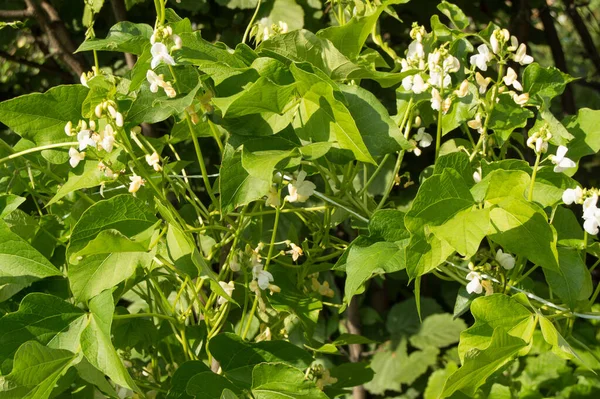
474 286
561 151
591 226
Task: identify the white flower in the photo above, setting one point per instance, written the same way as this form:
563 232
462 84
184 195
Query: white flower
463 90
177 42
228 288
301 189
136 183
561 162
514 43
476 123
591 215
283 27
571 195
273 198
494 43
296 251
98 111
83 79
520 99
541 145
154 161
511 79
435 79
418 84
436 99
451 64
477 175
415 51
482 82
85 139
589 206
234 264
482 57
160 53
75 156
69 129
119 119
521 55
155 80
262 277
507 261
474 285
423 138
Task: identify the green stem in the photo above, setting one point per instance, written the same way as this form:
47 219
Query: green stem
247 31
36 149
438 136
533 174
138 315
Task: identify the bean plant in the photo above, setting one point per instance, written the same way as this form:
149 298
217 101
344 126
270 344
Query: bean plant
206 225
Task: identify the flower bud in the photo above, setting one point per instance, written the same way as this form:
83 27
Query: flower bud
68 128
119 119
98 110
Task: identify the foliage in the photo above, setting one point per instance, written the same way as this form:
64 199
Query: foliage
219 221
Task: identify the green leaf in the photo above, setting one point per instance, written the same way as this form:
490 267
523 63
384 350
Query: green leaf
209 385
350 38
462 110
454 13
585 129
546 83
262 96
322 117
403 320
96 342
362 262
8 203
479 364
95 273
280 381
20 263
439 198
439 331
572 282
501 184
238 357
465 230
182 376
36 371
508 116
560 346
195 49
125 37
246 176
156 107
549 186
113 241
388 225
393 366
85 175
521 227
379 132
425 253
493 312
41 117
44 318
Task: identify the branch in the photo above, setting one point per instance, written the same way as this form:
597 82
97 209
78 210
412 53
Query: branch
353 325
62 45
584 33
568 99
15 14
23 61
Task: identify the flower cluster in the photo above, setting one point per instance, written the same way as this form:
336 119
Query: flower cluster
263 30
88 136
433 71
477 284
161 54
589 200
